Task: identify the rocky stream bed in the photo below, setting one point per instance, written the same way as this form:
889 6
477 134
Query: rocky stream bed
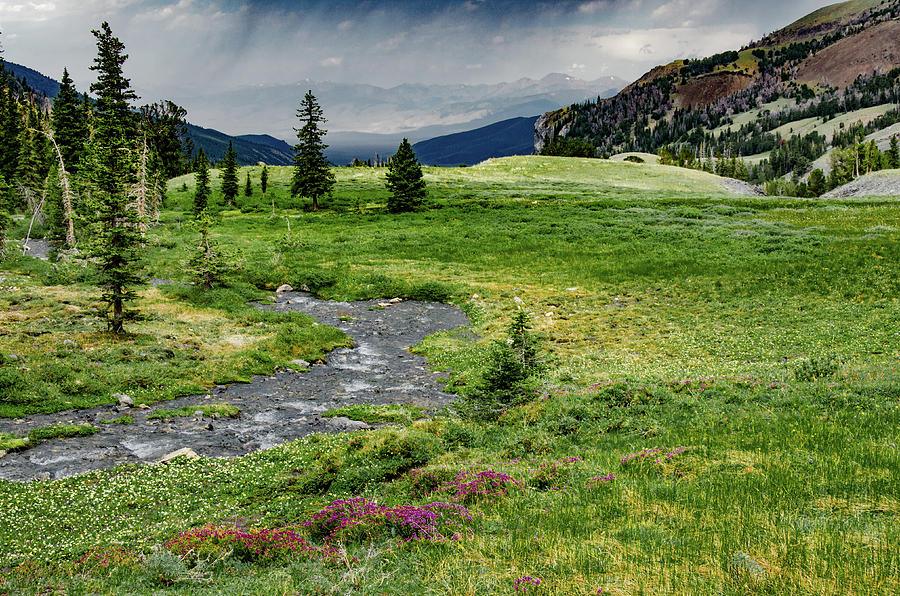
275 408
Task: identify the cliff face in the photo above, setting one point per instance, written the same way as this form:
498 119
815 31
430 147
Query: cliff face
548 127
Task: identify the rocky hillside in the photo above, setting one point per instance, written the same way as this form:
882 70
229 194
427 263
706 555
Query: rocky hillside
823 63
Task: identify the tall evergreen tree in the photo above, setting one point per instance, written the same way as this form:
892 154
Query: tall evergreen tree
69 125
201 193
264 179
894 153
229 175
10 129
312 177
4 217
248 186
404 180
817 183
164 125
118 239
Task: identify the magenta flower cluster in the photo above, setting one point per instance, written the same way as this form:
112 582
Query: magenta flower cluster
525 582
256 545
359 518
645 453
554 474
598 480
467 486
107 557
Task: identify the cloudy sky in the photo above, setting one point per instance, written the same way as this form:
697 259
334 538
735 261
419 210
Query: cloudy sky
179 46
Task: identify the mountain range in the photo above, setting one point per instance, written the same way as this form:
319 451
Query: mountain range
492 117
782 102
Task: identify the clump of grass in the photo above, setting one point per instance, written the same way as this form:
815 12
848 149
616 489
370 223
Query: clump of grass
373 414
209 410
122 420
11 442
60 431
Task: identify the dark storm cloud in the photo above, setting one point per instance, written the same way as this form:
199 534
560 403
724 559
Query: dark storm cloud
179 48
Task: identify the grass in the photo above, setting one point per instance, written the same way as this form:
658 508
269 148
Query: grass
55 356
210 410
759 333
373 414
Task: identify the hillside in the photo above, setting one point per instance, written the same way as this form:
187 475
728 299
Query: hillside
836 61
251 148
509 137
714 409
885 183
38 82
215 144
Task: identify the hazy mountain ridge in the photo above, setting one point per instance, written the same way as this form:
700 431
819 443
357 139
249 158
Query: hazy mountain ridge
501 139
410 110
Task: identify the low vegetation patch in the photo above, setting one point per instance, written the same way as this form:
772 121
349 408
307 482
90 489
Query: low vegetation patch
209 410
374 414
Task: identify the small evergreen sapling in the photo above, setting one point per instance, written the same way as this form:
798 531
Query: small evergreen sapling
248 187
201 193
404 180
210 263
229 176
264 179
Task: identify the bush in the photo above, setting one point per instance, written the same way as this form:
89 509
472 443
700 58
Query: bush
430 291
164 568
816 368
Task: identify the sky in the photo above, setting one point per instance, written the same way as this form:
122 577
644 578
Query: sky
177 47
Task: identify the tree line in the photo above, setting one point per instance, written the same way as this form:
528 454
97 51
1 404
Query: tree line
94 170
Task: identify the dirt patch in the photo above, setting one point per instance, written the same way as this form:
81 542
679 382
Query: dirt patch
275 409
703 91
875 49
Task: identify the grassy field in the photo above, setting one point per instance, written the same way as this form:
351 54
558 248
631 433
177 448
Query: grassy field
719 414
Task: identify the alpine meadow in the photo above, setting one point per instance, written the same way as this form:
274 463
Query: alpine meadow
659 355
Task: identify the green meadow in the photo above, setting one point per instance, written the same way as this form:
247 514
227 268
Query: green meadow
718 415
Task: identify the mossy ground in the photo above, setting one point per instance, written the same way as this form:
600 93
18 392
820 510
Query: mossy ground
674 315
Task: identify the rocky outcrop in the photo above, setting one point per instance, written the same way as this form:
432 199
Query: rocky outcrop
548 127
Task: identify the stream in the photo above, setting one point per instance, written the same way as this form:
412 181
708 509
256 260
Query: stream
275 408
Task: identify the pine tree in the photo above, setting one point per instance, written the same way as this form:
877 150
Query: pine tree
248 186
404 180
69 125
201 193
229 176
894 153
117 248
817 182
313 177
10 128
210 263
164 125
264 179
4 217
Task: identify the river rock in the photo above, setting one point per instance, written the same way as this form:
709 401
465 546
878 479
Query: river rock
186 452
300 363
284 288
124 400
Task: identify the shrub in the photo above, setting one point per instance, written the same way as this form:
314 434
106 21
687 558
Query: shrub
634 159
164 568
430 291
816 368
